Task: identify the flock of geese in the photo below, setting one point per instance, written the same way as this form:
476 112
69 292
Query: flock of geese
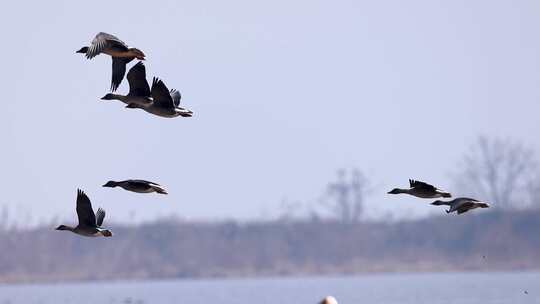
425 190
159 100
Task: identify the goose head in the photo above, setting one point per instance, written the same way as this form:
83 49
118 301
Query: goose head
109 96
137 53
111 184
63 227
83 50
396 191
438 203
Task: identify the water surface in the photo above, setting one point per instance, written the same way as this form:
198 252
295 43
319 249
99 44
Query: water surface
455 288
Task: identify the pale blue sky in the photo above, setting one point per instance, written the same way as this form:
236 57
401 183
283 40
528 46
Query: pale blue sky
284 93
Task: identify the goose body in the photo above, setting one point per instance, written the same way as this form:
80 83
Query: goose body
139 91
137 185
165 103
421 190
89 223
120 53
461 204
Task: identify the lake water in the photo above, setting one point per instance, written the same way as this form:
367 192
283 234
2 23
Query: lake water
455 288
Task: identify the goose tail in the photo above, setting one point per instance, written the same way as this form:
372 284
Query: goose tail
161 190
446 194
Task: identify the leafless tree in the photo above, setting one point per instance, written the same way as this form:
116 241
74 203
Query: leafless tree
347 195
500 171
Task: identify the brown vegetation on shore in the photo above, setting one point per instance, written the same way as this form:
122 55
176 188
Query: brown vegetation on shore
491 241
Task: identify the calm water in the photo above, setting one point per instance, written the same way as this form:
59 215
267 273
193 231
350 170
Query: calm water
482 288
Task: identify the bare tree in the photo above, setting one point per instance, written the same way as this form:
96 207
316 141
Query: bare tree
500 171
347 195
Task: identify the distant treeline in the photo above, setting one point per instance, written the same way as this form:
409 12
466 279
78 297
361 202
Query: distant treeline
490 241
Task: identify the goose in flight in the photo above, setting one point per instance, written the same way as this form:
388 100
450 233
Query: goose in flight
89 223
119 51
461 204
329 300
139 91
137 185
165 103
421 190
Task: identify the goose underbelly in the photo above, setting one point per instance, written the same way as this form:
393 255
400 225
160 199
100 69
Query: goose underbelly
426 194
145 190
162 112
142 101
119 53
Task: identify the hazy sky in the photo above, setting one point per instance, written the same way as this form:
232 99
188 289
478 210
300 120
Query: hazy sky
284 93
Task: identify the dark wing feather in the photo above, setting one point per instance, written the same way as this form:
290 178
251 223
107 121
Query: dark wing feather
118 71
175 95
421 185
143 181
100 216
104 41
161 95
464 209
84 210
138 86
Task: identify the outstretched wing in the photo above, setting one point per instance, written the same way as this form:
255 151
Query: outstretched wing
161 95
138 86
421 185
118 71
142 181
175 95
103 41
464 207
100 216
84 210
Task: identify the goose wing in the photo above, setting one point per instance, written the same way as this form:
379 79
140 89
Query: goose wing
142 181
176 96
104 41
84 210
460 211
138 86
465 201
118 71
100 216
421 185
161 95
465 205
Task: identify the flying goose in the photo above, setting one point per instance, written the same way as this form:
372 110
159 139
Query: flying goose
461 204
137 185
421 190
119 51
139 91
165 103
89 223
329 300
